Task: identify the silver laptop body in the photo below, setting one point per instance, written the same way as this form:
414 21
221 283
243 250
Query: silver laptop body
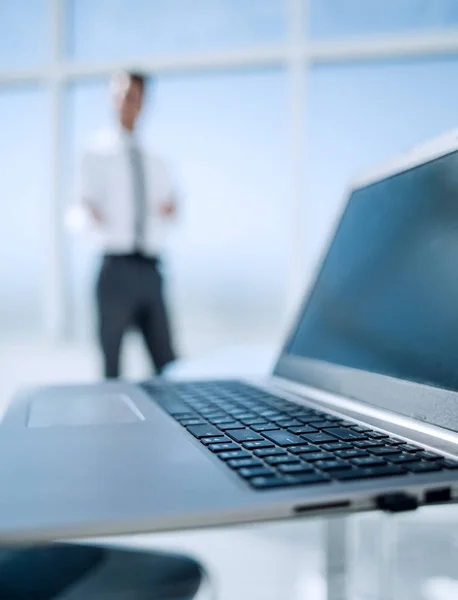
375 344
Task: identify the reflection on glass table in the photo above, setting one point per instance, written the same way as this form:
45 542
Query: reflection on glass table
90 572
405 557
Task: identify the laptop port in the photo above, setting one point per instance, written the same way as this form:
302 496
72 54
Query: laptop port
439 496
298 510
396 502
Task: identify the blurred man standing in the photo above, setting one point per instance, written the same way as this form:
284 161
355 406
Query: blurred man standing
129 196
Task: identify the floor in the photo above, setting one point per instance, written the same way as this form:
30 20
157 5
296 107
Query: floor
413 557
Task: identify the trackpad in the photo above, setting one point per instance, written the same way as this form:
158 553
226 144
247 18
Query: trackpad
83 409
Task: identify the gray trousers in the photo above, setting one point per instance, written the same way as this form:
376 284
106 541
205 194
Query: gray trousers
129 295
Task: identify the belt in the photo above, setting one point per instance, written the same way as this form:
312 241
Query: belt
132 256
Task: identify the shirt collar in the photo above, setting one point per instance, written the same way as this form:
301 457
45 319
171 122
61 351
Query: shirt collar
126 137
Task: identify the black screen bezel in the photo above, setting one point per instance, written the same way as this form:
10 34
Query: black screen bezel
430 404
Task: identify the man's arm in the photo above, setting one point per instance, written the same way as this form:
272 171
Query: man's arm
168 208
90 193
94 213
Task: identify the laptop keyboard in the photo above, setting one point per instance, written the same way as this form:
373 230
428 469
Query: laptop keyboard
271 442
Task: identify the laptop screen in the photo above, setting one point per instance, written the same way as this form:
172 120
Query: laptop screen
386 299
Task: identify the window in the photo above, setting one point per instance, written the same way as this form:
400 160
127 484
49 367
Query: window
24 34
24 188
350 18
225 136
361 114
87 110
124 30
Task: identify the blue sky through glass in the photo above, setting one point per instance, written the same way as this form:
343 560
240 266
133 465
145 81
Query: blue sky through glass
127 29
338 18
361 114
24 33
24 189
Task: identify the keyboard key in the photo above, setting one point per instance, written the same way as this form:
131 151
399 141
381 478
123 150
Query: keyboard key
346 435
335 419
270 452
200 431
346 424
409 448
393 442
265 483
240 415
215 440
360 428
299 412
308 419
268 413
281 460
330 465
295 468
244 435
384 451
318 438
368 461
303 429
179 410
287 423
302 449
212 415
231 425
238 463
402 458
323 424
313 456
283 438
257 444
423 467
353 453
220 420
428 455
223 447
333 446
368 444
277 416
377 435
233 454
248 472
254 421
315 417
267 427
307 479
186 422
448 464
367 472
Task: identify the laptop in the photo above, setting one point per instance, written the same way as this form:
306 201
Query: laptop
360 412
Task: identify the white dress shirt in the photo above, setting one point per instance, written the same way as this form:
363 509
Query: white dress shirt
106 185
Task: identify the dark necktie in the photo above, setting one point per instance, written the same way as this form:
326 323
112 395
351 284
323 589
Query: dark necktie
139 196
